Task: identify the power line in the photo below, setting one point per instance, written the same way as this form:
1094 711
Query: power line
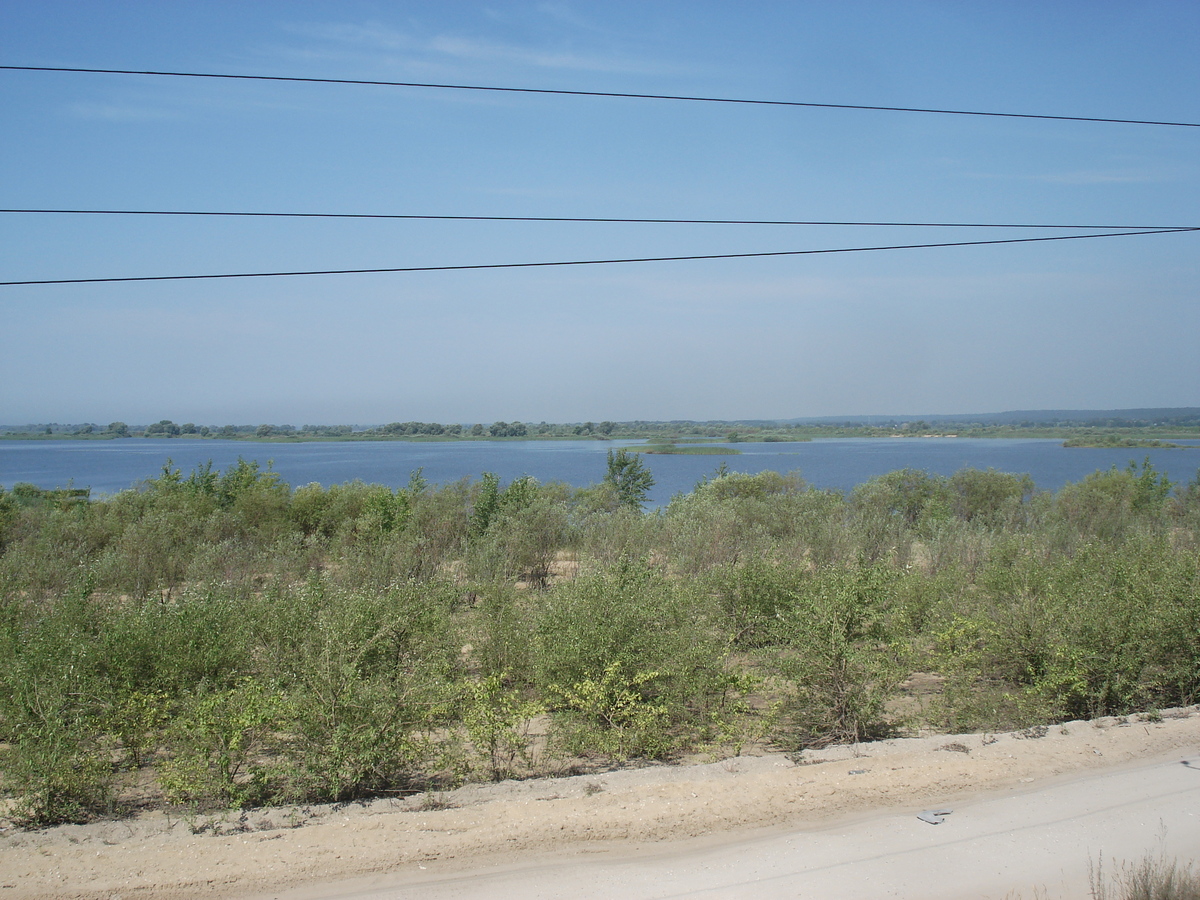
588 262
618 94
590 219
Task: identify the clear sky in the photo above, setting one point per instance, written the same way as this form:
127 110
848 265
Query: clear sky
1104 323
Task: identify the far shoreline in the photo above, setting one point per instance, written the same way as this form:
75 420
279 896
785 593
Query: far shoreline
1072 438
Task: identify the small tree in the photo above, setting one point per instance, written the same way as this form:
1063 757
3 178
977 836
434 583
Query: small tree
628 477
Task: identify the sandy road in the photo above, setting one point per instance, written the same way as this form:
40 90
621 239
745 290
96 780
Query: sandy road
1017 843
1030 809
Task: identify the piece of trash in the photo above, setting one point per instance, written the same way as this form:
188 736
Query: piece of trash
934 816
1191 764
858 771
1097 752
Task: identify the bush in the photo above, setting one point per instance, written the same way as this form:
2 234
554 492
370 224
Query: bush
704 531
497 720
218 741
1106 632
60 774
632 662
756 598
517 532
9 512
1110 505
369 676
253 645
991 497
50 710
614 714
843 657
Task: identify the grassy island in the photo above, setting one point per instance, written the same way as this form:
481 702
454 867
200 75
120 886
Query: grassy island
1121 443
676 450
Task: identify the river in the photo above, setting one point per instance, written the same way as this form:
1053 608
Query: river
841 463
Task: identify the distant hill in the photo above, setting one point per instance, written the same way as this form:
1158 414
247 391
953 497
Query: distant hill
1179 415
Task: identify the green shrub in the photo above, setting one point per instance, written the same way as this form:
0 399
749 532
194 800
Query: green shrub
1107 631
703 531
843 657
60 774
138 720
329 512
991 497
9 513
497 720
499 630
50 710
218 741
204 639
608 537
631 638
256 645
1110 505
522 543
755 598
614 714
369 676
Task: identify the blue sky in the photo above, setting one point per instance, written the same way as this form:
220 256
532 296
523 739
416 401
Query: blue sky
1104 323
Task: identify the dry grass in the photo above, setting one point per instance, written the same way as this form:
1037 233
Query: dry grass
1154 878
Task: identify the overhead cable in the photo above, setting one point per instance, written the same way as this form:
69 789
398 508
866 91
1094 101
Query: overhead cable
590 219
586 262
617 94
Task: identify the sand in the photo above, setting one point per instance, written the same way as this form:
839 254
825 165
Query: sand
479 829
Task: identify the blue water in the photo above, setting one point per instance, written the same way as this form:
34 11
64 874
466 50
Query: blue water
111 466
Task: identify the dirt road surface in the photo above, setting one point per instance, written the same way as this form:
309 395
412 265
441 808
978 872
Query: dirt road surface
1031 843
1031 810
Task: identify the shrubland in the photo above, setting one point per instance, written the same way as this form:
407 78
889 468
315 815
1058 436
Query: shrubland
221 639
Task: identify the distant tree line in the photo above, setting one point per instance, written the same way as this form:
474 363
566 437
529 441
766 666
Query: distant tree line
1109 429
432 428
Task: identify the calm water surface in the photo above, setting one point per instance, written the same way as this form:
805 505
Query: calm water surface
110 466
